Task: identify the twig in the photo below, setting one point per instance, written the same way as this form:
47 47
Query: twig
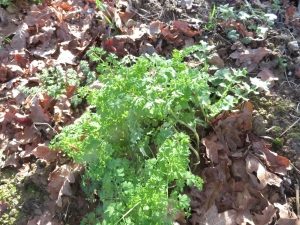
129 211
290 127
36 123
67 209
297 198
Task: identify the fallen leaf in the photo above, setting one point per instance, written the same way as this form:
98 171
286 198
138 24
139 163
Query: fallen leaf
248 58
286 214
46 218
262 176
42 151
212 147
267 75
3 206
213 217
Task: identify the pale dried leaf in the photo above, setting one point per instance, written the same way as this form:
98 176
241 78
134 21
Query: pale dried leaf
262 174
267 75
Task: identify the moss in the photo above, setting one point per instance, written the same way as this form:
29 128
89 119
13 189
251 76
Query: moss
277 144
268 103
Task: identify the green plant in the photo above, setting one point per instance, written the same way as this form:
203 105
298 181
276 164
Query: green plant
276 6
277 144
225 12
54 81
282 62
233 35
136 144
4 2
212 23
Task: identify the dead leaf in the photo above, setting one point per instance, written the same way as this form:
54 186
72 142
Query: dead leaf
45 218
262 176
286 214
267 75
66 57
213 217
37 113
212 147
248 58
19 40
12 160
3 206
42 151
186 4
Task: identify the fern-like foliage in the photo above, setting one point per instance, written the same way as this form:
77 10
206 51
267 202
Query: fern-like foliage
136 146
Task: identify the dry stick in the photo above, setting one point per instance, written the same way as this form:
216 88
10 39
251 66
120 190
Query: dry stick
290 127
297 198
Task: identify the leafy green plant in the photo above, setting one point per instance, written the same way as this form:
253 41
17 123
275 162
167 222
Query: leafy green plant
277 144
137 139
225 12
54 81
282 62
276 6
4 2
233 35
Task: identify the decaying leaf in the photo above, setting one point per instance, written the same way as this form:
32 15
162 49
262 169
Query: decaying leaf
262 176
248 58
60 182
267 75
42 151
212 147
45 218
213 217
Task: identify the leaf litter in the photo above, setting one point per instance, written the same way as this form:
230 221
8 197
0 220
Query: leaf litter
243 179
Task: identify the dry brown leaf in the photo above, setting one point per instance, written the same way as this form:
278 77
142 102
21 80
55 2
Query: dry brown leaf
45 218
266 216
66 57
19 40
60 180
263 176
37 113
213 217
212 147
42 151
267 75
249 58
287 216
275 162
12 160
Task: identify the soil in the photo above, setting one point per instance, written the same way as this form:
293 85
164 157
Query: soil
276 117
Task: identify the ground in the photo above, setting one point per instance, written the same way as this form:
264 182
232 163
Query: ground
29 184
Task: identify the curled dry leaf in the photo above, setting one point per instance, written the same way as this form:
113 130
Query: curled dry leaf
287 216
263 176
19 40
37 113
275 162
60 182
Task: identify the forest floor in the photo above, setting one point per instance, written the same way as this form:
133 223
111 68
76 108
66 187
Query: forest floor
33 178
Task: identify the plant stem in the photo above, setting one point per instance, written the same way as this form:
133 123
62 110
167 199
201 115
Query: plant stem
195 151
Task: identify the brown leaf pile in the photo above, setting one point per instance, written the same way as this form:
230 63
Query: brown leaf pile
243 185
